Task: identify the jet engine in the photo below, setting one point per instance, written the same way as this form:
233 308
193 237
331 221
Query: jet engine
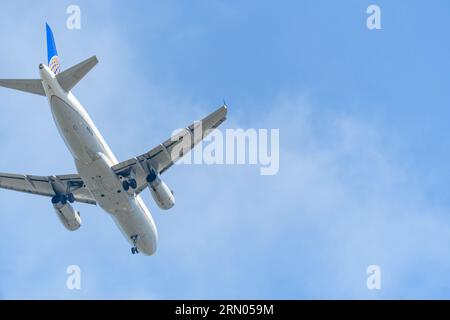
161 193
66 213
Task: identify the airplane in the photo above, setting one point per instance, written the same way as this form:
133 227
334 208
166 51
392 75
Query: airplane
101 179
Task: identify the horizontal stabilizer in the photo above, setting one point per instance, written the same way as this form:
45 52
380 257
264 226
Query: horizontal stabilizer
69 78
27 85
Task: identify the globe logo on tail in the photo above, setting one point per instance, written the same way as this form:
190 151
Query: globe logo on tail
54 65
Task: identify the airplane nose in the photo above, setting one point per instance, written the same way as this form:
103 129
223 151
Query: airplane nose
41 66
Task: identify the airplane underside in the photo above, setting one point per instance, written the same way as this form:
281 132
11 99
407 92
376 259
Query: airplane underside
101 179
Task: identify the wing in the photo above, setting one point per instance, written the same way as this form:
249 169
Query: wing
48 186
163 156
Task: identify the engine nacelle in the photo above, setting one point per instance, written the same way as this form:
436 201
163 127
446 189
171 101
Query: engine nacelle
161 193
68 216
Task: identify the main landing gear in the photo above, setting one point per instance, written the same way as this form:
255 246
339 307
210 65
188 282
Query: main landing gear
135 238
63 198
127 184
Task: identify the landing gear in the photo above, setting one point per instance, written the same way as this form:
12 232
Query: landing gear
61 198
127 184
71 198
151 176
134 249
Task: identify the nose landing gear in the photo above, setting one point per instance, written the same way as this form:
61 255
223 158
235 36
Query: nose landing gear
134 249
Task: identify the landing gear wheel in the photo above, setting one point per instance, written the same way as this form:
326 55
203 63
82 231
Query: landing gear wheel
133 183
71 198
63 199
55 199
135 238
134 250
126 185
151 177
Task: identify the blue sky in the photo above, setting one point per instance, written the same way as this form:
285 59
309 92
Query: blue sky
364 148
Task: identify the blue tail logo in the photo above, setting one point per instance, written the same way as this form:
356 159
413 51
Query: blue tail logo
53 60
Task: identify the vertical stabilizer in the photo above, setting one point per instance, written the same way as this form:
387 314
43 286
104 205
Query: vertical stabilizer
53 59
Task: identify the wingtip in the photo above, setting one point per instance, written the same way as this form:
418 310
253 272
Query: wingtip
225 106
225 110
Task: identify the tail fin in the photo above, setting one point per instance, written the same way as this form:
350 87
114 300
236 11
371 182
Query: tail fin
67 79
53 59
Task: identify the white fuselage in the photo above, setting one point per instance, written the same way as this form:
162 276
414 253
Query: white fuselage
94 160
